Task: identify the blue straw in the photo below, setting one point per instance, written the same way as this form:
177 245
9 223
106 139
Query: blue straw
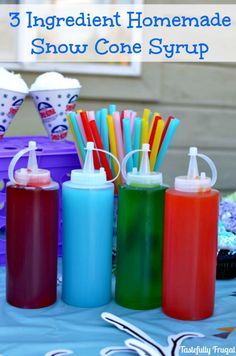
78 134
98 120
104 129
137 139
104 111
112 108
128 142
174 123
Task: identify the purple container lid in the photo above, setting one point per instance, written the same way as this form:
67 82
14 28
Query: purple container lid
10 145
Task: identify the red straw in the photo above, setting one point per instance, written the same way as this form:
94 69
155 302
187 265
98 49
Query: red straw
89 137
152 136
122 116
165 129
99 145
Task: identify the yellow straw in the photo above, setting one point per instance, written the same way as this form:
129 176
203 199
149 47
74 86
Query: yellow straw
156 143
75 139
144 132
113 146
146 113
145 121
152 122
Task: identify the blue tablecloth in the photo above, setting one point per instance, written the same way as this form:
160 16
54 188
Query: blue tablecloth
36 332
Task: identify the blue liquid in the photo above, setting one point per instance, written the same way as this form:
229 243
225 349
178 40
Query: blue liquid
87 244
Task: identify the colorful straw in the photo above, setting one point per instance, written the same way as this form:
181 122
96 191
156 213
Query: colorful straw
112 108
152 122
104 129
99 145
91 115
144 133
113 146
165 128
119 140
145 122
146 114
127 114
121 119
89 137
81 127
78 147
78 134
156 143
150 119
98 120
121 132
137 139
154 126
174 123
128 142
133 115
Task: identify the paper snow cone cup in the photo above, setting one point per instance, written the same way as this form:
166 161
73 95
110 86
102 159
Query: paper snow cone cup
10 102
53 105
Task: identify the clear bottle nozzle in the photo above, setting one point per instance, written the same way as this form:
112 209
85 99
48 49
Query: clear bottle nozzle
32 161
193 172
193 166
89 176
31 175
194 182
143 176
88 163
145 163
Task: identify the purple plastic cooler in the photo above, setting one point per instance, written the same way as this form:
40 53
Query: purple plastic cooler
59 157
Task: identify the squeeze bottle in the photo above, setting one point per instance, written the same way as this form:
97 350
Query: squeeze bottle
31 234
87 206
190 243
140 236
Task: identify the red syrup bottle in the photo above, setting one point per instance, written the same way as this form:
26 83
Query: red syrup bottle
31 235
190 243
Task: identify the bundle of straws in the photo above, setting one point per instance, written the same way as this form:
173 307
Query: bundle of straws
120 133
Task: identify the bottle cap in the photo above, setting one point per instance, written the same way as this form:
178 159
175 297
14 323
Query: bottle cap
144 176
194 182
88 176
32 175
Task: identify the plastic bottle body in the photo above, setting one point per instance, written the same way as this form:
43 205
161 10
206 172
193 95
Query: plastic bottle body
87 244
31 236
140 247
190 248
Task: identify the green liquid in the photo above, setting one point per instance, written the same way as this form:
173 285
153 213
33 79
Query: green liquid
140 247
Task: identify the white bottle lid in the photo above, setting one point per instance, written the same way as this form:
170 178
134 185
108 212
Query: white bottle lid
194 182
32 175
144 176
88 176
80 177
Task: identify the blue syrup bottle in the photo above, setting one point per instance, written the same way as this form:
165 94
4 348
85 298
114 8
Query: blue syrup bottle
87 207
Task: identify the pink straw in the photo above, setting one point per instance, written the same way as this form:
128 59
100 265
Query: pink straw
119 141
91 115
127 114
133 115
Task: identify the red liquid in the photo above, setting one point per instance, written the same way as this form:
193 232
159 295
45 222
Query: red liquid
190 248
32 234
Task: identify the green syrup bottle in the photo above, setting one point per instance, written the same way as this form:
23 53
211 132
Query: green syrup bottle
140 236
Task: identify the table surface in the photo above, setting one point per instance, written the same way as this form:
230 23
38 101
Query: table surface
85 333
